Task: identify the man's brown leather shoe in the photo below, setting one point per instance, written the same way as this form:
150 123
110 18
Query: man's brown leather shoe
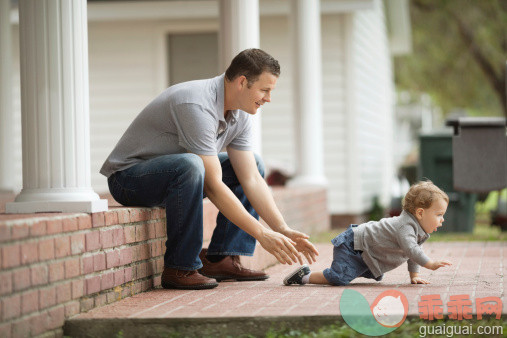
228 268
188 280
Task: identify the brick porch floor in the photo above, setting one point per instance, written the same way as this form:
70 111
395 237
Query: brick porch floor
55 265
478 271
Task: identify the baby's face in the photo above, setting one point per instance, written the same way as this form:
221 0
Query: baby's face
432 218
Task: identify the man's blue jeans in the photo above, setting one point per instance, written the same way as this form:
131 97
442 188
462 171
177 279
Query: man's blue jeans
176 182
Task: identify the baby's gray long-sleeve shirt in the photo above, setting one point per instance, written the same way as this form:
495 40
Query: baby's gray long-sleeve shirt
390 242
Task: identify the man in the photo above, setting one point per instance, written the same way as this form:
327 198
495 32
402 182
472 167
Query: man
170 155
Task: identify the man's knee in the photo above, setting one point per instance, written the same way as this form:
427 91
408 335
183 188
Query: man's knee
260 164
193 168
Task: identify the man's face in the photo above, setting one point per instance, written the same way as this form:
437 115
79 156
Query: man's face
253 97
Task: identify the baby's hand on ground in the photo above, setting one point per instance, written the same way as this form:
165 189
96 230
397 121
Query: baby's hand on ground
418 280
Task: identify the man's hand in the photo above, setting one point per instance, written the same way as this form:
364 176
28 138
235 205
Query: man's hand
433 265
280 246
261 198
302 245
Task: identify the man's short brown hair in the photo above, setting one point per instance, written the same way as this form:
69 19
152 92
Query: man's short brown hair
251 63
422 195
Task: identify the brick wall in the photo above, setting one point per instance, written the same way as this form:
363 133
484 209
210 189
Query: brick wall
303 208
56 266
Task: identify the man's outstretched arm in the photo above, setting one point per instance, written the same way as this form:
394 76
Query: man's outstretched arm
224 199
259 195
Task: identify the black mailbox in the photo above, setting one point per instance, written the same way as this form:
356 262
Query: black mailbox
479 149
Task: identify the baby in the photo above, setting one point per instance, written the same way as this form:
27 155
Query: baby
371 249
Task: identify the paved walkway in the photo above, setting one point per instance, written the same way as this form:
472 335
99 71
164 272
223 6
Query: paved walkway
478 271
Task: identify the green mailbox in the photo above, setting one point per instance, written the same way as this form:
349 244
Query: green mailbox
436 164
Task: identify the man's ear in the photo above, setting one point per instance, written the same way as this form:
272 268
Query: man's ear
242 81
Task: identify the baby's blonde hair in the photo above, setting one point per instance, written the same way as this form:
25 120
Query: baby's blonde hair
422 195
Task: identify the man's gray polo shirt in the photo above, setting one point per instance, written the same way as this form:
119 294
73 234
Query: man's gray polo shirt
187 117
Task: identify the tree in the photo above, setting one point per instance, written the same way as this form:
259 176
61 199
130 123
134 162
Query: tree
459 56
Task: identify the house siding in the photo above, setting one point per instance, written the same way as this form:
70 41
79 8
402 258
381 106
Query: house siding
334 110
127 68
372 106
278 118
122 83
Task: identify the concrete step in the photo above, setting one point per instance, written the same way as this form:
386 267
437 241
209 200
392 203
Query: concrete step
231 309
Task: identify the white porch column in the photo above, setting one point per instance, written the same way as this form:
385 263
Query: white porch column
239 30
6 120
305 25
55 109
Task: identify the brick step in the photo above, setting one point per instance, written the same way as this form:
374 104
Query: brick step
54 266
231 309
253 308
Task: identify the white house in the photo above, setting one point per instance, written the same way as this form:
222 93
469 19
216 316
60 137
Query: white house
345 119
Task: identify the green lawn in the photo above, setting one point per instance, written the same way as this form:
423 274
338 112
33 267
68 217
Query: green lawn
410 328
482 232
